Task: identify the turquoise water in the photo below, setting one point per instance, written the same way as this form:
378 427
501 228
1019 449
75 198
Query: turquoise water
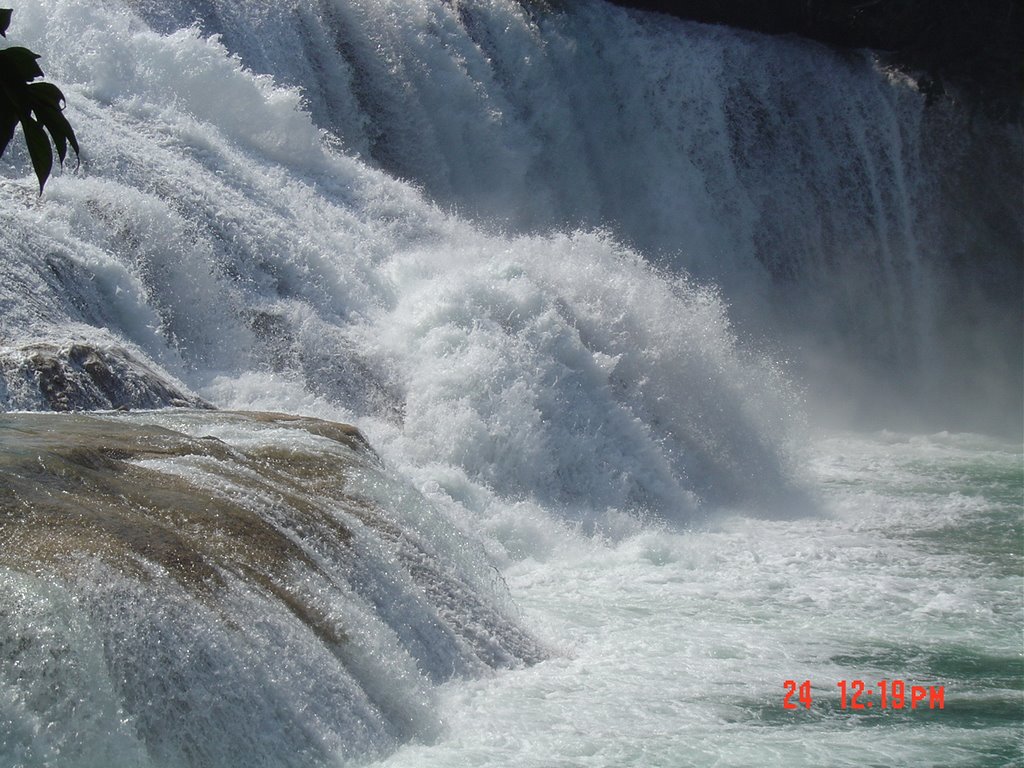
675 645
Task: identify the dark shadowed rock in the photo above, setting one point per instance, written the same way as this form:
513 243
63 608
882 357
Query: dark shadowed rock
79 376
973 47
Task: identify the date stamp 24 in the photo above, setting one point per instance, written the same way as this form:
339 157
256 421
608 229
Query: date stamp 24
855 695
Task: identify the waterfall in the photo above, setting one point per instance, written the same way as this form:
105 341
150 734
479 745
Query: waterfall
815 190
574 271
214 232
813 187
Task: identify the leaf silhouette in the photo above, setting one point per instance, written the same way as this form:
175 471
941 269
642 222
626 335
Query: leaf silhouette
38 149
38 106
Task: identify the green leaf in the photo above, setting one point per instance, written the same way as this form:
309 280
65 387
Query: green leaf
20 62
69 132
37 106
46 102
60 129
60 140
39 150
47 93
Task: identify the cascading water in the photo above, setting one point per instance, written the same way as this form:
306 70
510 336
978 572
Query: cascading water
263 581
816 190
564 376
216 235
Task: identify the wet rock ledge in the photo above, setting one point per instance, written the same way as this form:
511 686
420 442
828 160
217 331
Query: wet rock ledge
78 376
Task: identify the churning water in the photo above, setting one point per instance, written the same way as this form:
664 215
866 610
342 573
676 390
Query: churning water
578 275
675 646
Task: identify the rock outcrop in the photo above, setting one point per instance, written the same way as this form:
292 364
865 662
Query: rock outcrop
78 376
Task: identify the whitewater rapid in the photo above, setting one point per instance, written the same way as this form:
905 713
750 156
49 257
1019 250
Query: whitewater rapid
675 646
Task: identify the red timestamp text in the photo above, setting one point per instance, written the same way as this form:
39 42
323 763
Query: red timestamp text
855 695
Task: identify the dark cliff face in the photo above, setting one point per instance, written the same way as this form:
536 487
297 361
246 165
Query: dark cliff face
972 48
